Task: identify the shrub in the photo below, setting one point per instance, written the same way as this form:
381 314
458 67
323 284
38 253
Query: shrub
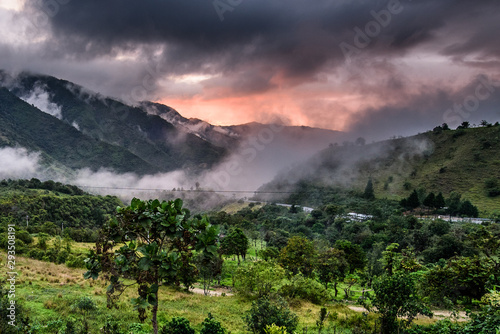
260 278
76 261
273 329
269 253
111 326
62 256
178 325
440 327
305 288
266 312
70 327
492 187
488 319
212 326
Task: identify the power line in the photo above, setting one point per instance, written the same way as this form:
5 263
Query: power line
192 191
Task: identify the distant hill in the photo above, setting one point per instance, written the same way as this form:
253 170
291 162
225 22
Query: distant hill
73 128
151 138
62 146
61 120
438 161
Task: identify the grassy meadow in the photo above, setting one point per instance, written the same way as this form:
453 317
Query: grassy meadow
49 292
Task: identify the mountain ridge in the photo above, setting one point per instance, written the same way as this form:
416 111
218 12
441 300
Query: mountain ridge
444 161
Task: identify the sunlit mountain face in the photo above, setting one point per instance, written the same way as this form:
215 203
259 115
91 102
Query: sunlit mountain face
384 68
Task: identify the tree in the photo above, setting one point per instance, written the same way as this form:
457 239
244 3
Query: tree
332 267
439 201
461 279
157 240
354 254
445 127
360 141
485 123
236 243
396 297
209 268
42 241
430 200
492 187
299 255
266 312
413 202
369 193
468 210
260 278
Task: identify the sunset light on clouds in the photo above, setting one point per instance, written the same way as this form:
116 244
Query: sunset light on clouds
377 68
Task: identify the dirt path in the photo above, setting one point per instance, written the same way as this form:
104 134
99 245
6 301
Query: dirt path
216 292
437 313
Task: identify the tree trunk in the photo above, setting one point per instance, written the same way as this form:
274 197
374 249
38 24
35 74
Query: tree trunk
154 313
335 288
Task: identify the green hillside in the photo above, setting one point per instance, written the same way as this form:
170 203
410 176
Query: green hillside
49 204
445 161
61 144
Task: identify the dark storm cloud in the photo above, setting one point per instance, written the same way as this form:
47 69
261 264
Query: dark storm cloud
119 47
295 39
478 100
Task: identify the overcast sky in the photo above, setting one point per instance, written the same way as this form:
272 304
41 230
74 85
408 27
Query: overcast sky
379 68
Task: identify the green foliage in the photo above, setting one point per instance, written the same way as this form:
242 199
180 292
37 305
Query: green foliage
42 241
300 287
461 279
299 255
258 278
369 192
273 329
492 187
445 326
396 296
71 328
157 241
354 254
211 326
236 243
430 200
209 266
268 253
413 201
111 327
10 311
76 261
177 325
85 305
266 312
488 319
439 201
47 210
332 266
468 210
320 323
